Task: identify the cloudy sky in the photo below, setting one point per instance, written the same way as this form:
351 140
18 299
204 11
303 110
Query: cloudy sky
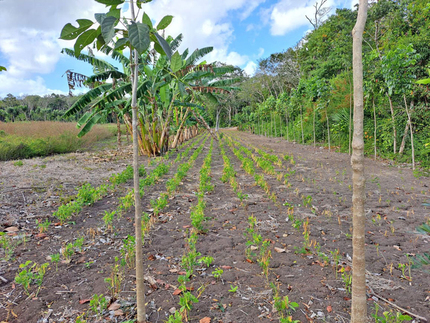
241 32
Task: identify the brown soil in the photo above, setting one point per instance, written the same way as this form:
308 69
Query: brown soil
394 209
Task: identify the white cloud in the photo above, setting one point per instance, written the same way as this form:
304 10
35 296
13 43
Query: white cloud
288 15
204 23
250 68
260 52
22 86
29 41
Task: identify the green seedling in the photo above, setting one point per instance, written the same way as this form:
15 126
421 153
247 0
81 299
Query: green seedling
98 304
206 260
128 251
217 273
233 289
55 258
31 274
7 245
115 279
43 226
389 316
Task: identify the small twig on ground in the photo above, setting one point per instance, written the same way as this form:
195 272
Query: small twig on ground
3 279
398 307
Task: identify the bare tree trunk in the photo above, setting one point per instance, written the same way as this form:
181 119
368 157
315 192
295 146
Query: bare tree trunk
350 118
140 291
394 125
313 127
280 125
374 126
328 130
301 117
405 134
274 121
412 130
359 306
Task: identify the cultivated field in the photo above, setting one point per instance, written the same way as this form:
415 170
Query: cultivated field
244 229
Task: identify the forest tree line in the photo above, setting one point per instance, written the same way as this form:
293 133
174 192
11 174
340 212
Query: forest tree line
304 94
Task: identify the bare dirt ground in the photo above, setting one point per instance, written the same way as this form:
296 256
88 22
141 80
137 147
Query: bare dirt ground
317 192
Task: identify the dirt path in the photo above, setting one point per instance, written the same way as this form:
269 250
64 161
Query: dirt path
313 195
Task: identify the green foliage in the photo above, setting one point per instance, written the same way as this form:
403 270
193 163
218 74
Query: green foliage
31 274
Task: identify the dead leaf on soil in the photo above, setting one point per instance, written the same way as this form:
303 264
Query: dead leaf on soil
151 257
40 235
397 247
226 267
329 309
83 301
173 270
118 313
114 306
12 229
249 260
205 320
280 250
177 291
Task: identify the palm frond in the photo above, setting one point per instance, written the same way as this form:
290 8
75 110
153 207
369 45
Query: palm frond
87 98
176 42
95 62
197 54
103 76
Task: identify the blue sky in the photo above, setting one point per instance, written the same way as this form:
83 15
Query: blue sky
241 32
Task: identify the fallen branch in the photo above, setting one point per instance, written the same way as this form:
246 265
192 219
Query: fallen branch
394 305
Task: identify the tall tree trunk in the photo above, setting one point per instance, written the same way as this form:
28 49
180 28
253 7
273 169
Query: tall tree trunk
374 126
412 130
328 130
394 124
274 121
202 121
301 117
280 125
403 144
359 306
313 126
350 118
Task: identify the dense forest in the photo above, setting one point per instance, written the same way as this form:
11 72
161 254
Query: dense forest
305 93
36 108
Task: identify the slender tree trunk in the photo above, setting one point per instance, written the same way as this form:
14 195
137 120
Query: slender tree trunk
328 130
286 122
394 124
280 125
359 306
301 117
374 127
412 130
313 127
350 118
274 121
405 134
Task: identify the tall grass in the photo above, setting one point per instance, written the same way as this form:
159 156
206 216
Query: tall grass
41 138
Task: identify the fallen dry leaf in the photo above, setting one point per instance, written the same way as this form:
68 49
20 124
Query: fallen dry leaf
118 313
114 306
249 260
226 267
12 229
177 291
205 320
280 250
83 301
397 247
329 309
